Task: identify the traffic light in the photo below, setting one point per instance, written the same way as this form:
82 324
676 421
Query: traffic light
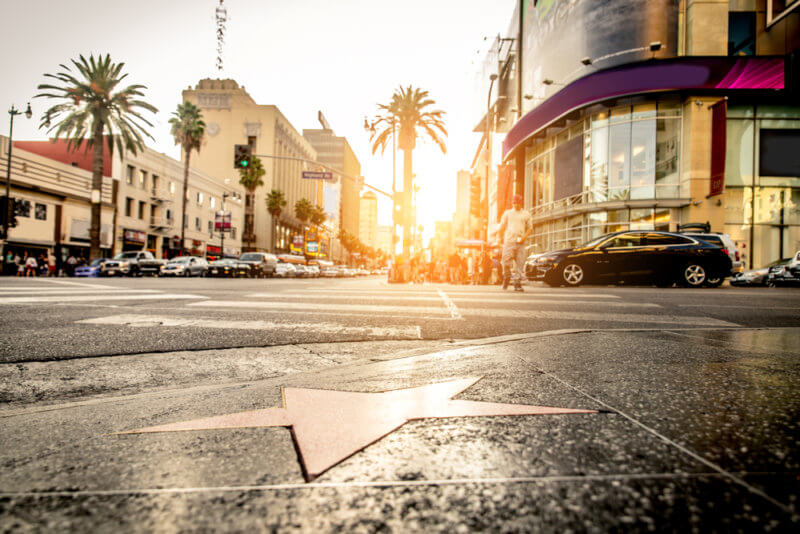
241 156
3 210
475 196
12 222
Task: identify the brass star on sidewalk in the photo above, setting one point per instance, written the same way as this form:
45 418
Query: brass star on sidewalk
330 426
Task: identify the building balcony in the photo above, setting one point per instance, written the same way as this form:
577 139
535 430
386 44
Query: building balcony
160 222
160 195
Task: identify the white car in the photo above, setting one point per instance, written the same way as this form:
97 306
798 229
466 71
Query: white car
285 270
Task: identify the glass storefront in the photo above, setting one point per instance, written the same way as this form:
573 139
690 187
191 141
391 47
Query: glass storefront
762 213
630 153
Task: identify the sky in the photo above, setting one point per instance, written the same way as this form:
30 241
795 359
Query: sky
340 57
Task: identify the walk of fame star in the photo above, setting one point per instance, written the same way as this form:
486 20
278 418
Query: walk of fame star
330 426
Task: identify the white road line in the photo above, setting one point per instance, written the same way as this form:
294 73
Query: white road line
748 306
67 299
75 291
72 283
431 297
144 321
450 305
460 292
510 300
314 306
594 316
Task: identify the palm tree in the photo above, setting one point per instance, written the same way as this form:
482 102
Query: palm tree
407 111
89 109
250 178
276 201
303 210
318 216
188 130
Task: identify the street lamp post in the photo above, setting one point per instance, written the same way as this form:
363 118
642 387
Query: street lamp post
492 78
12 112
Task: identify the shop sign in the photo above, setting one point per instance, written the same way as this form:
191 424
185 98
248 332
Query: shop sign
211 249
296 246
222 221
312 247
134 236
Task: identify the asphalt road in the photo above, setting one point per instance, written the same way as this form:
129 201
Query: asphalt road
693 397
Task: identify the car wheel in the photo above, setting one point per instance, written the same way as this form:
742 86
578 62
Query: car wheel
572 274
714 282
693 275
186 273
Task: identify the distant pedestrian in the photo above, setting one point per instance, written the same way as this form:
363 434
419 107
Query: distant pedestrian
51 264
71 262
18 263
515 227
30 266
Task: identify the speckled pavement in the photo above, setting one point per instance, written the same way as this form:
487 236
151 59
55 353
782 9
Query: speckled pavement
698 430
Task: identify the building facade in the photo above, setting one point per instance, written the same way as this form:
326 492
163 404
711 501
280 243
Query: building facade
335 152
53 204
368 221
233 118
632 114
144 202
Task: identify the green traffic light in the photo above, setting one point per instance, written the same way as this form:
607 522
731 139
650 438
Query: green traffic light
243 163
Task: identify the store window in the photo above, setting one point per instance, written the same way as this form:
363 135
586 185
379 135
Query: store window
643 159
619 149
742 33
667 175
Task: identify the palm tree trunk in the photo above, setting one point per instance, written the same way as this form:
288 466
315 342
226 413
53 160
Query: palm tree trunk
408 186
184 218
96 194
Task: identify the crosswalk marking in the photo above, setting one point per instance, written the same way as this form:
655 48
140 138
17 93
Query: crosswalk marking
510 299
86 298
569 294
314 306
141 321
72 291
595 316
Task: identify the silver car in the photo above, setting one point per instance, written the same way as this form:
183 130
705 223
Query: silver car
184 266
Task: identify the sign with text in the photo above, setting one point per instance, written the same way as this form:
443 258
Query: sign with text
222 221
318 175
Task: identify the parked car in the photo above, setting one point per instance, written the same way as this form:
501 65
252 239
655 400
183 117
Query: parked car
756 277
330 271
724 241
134 263
786 274
313 271
229 268
185 266
662 258
94 269
301 271
263 265
285 270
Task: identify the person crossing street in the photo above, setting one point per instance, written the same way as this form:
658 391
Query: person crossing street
515 227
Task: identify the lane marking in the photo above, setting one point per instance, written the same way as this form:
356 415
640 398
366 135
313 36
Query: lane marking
451 291
85 298
312 306
595 316
432 297
795 308
71 291
65 282
450 305
149 321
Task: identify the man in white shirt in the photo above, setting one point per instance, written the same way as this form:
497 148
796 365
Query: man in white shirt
515 227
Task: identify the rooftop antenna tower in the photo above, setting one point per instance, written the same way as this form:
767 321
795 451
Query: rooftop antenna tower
222 17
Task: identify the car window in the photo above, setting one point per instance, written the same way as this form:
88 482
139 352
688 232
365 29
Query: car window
666 239
125 255
251 257
624 241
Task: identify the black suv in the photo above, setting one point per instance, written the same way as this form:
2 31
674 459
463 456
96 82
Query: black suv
261 263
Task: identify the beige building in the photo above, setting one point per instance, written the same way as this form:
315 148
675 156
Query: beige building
368 221
149 215
53 197
232 117
336 152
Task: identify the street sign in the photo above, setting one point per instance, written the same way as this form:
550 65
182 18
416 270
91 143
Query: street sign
316 175
222 221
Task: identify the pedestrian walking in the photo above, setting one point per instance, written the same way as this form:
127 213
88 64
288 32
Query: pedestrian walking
30 266
19 265
515 227
71 262
51 264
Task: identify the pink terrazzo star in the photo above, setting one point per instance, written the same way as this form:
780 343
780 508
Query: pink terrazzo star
330 426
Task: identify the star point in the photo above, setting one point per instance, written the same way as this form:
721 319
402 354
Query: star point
329 426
